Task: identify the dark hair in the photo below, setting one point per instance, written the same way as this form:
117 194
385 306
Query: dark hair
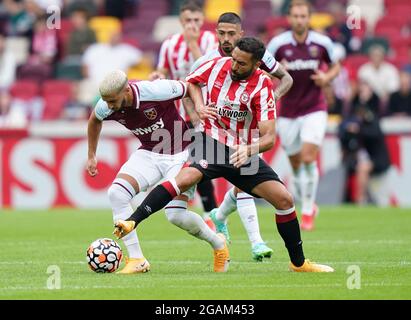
229 17
191 6
252 45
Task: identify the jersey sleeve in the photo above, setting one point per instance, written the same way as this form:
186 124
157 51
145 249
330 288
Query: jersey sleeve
161 90
101 110
198 63
264 102
268 62
162 57
273 46
202 73
329 56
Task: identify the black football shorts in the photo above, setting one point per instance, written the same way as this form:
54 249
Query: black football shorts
212 159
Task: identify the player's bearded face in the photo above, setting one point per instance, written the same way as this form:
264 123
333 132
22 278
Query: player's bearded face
228 34
299 19
242 65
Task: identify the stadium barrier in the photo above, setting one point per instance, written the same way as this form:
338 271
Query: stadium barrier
43 166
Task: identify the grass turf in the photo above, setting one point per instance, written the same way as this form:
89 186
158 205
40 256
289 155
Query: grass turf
378 241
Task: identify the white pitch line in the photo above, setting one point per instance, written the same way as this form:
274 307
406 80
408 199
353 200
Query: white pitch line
234 241
4 291
374 264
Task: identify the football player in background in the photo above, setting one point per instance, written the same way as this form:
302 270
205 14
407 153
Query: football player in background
302 118
177 54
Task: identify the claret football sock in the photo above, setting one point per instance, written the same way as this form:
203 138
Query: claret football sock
289 230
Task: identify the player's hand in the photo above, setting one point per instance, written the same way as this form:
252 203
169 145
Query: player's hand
92 166
240 156
156 75
191 32
207 112
320 78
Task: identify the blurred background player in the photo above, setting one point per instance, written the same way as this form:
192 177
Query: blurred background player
228 32
145 107
303 114
177 54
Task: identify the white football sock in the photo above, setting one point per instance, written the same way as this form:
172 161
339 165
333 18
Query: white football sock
297 183
248 214
120 194
228 206
311 178
177 214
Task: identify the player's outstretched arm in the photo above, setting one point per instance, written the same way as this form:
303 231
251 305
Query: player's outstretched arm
286 81
93 134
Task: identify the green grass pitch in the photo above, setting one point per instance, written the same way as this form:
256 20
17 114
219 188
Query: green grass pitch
377 242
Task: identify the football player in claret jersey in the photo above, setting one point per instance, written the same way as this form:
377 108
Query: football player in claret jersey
242 126
228 32
177 54
302 118
147 109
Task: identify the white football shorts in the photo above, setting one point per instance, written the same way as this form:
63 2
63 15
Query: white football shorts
149 168
293 132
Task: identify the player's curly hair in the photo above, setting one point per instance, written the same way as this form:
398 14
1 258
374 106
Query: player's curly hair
252 45
113 83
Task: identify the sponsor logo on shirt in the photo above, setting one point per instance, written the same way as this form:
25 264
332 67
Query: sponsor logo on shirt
233 114
142 131
300 64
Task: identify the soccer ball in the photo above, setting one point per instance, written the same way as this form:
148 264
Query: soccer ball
104 255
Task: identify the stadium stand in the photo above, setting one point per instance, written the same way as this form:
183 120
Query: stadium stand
144 24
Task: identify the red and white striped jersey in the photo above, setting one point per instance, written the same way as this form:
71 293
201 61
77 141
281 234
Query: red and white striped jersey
177 58
240 104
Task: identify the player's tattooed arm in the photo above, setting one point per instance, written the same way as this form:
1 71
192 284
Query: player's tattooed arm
286 81
93 134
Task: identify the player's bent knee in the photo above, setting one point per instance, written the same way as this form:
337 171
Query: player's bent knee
187 178
175 216
285 201
118 194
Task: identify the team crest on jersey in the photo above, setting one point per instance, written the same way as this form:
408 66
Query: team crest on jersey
151 114
203 163
288 52
314 51
244 98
